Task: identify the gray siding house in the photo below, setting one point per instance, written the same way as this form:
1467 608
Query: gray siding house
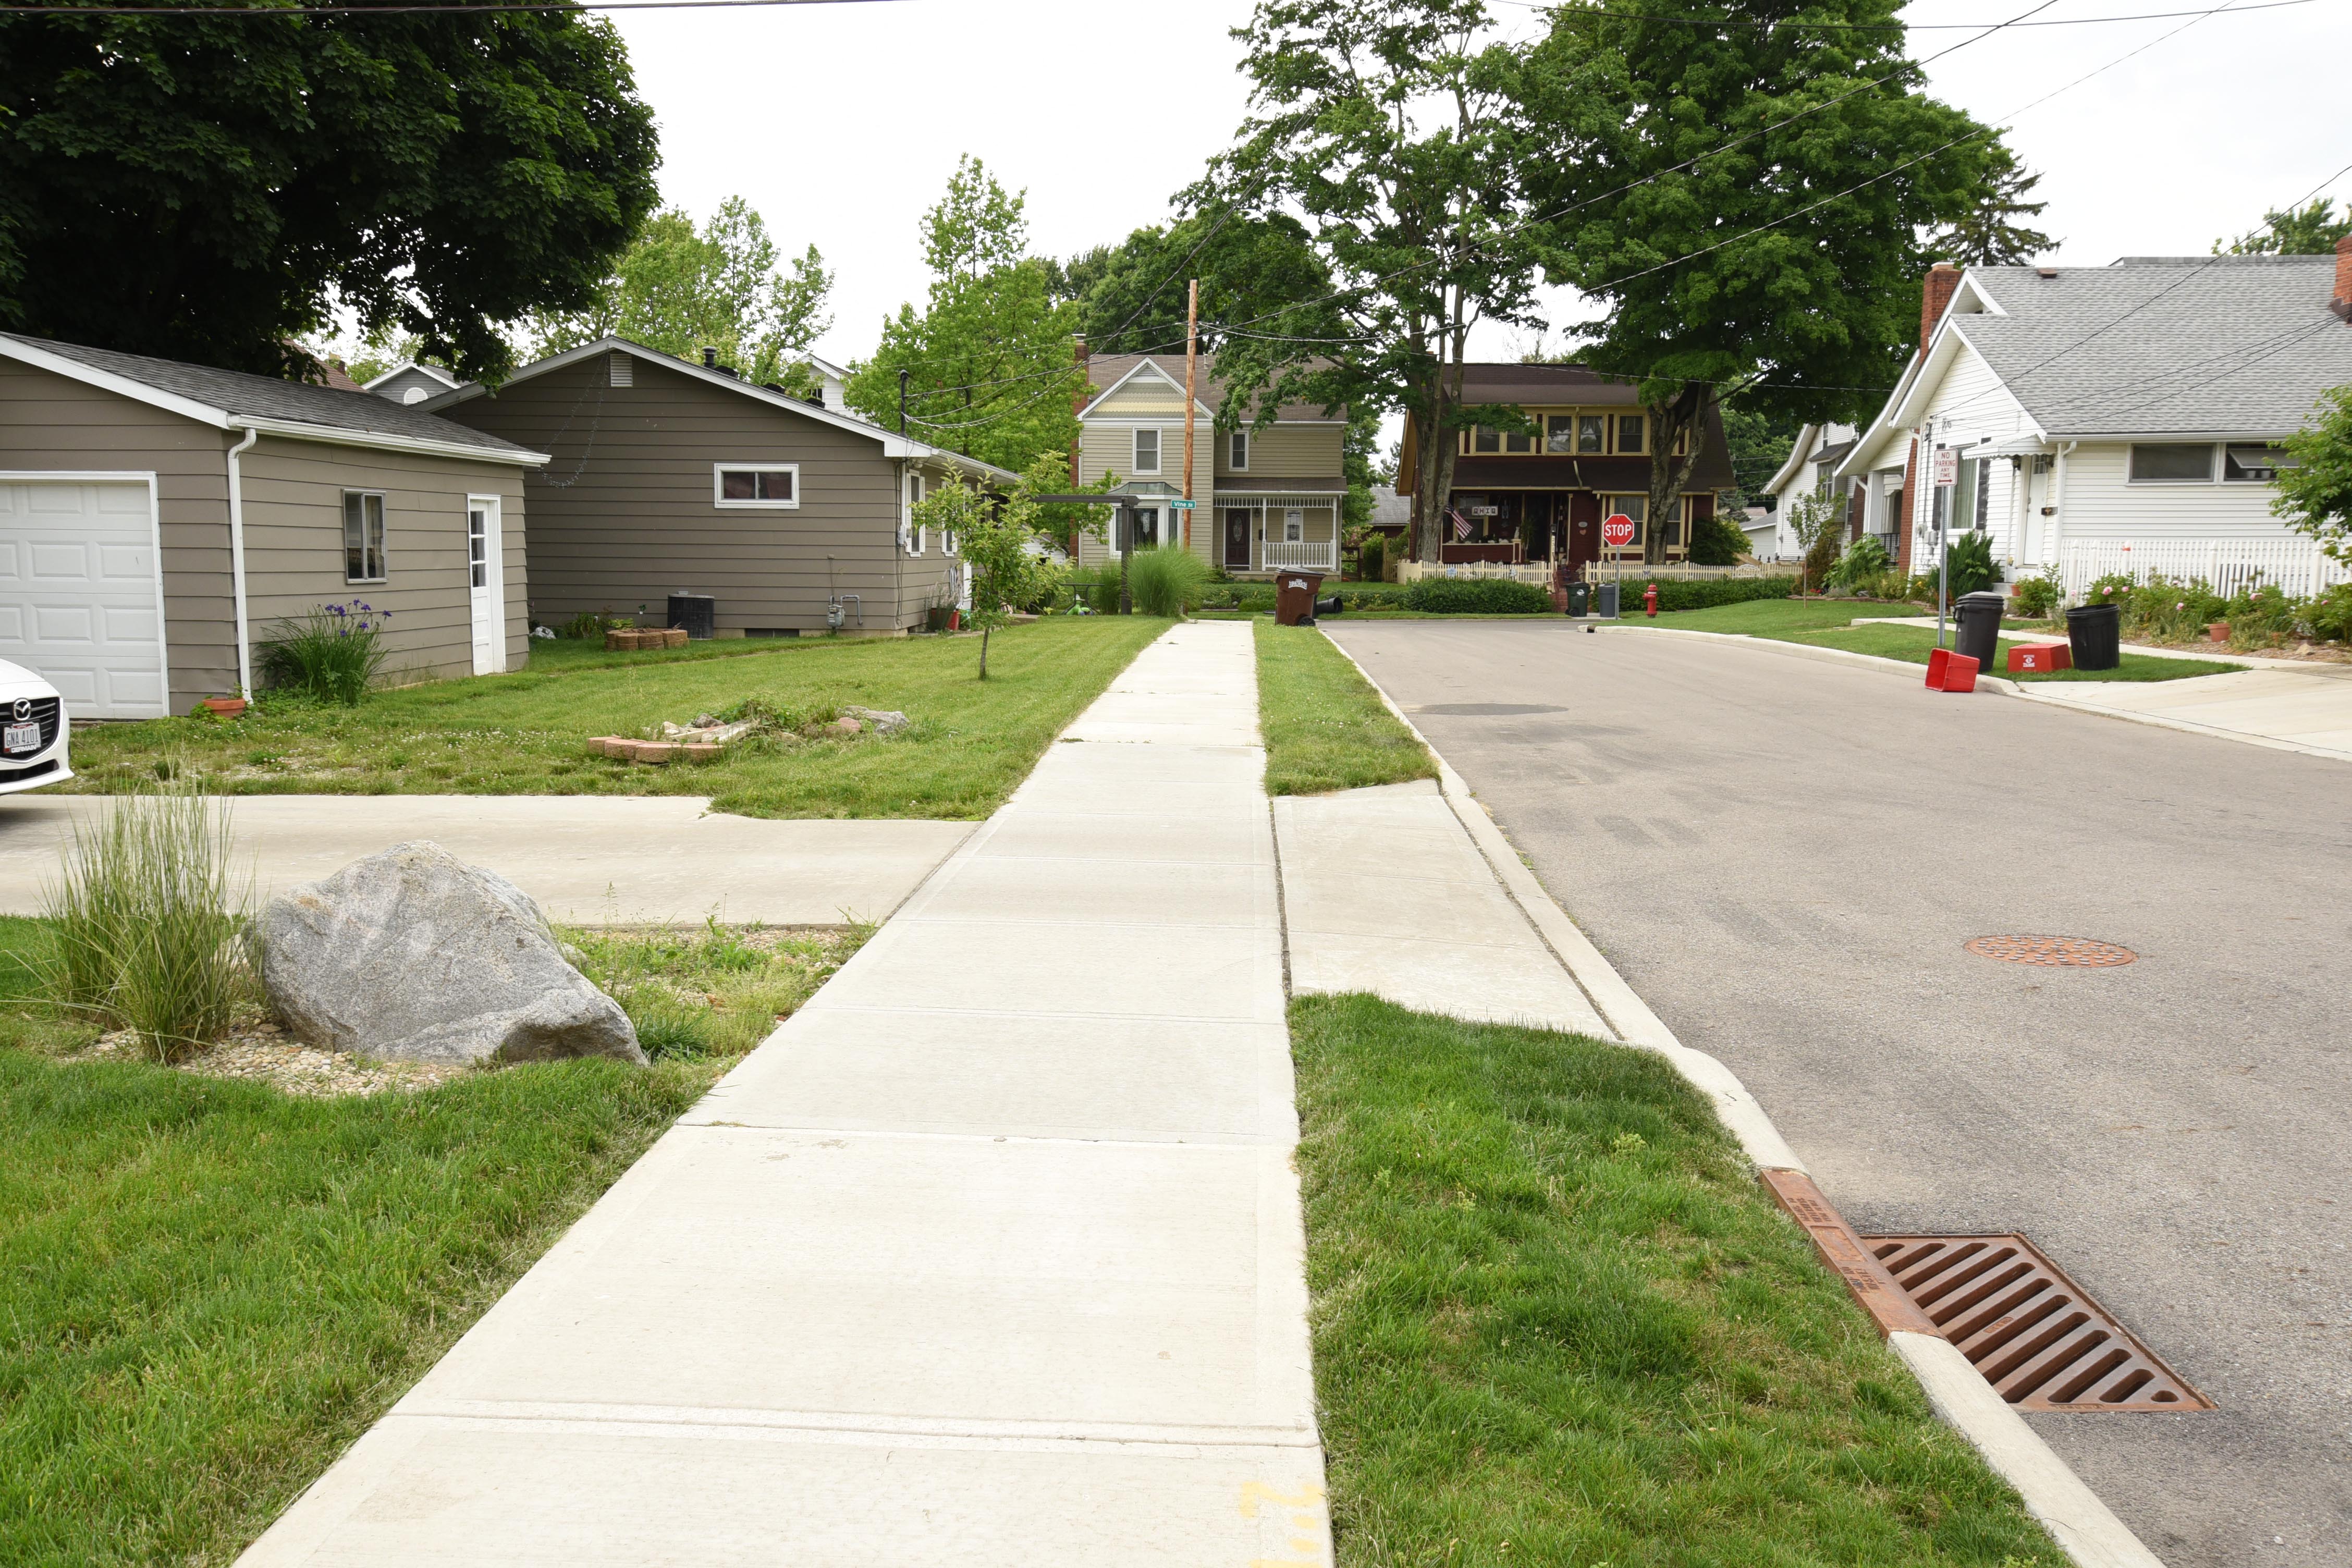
669 477
157 520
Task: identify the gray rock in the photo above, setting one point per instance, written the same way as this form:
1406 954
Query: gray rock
413 955
881 721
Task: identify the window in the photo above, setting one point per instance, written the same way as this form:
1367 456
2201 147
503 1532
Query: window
1560 433
1146 451
1631 428
2172 465
477 545
2254 464
1237 451
362 537
621 367
1147 527
771 486
1294 524
1591 434
1519 441
914 539
1484 439
1964 507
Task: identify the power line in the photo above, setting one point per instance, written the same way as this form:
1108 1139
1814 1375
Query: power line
1793 24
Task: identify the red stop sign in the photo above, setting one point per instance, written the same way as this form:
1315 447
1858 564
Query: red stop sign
1618 530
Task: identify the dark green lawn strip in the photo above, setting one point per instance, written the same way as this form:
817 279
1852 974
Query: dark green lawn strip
526 732
1326 728
1557 1320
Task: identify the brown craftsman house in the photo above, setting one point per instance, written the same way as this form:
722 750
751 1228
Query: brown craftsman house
1520 497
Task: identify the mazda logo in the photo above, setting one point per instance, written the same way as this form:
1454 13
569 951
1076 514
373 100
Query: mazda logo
24 708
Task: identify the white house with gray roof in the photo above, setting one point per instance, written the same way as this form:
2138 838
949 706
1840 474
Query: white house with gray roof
2102 419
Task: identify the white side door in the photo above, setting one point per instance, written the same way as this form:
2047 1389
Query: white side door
81 596
486 583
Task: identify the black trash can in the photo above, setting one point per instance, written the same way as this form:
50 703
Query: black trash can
1579 598
1326 605
1604 600
2094 635
1979 630
697 613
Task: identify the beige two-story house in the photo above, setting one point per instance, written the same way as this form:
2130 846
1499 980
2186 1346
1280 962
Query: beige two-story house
1264 501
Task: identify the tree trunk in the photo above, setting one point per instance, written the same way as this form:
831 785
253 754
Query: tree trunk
983 652
1669 474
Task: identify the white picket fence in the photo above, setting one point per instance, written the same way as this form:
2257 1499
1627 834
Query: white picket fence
2228 565
1536 571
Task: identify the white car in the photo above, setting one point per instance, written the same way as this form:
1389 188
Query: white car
32 731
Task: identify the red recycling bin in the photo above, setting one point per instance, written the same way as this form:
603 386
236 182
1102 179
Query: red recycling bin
1949 671
2040 657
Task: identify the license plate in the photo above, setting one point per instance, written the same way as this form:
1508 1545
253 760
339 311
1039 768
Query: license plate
22 738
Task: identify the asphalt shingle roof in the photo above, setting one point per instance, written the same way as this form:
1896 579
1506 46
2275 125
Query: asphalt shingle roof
263 397
2158 344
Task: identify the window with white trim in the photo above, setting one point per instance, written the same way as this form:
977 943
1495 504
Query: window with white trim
1237 451
769 486
1294 524
2255 462
2172 463
911 538
363 537
1146 451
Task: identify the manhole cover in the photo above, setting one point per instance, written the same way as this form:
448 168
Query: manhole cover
2038 1338
2057 951
1486 709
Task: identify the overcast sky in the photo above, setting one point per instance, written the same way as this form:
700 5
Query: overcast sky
841 123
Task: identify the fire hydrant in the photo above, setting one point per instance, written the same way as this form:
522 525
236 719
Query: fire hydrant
1650 598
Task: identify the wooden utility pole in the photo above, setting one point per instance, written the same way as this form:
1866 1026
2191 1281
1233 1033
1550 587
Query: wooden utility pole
1191 380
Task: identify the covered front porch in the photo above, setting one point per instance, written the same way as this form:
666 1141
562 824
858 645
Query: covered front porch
1555 526
1264 531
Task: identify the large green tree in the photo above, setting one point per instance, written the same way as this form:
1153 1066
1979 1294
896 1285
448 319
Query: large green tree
1389 128
725 287
210 189
1743 201
2311 230
991 371
1132 298
1993 232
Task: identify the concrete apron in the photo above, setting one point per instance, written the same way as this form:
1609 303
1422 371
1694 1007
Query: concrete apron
586 859
992 1253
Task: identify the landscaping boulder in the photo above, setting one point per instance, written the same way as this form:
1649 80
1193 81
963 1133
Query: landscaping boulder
413 955
881 721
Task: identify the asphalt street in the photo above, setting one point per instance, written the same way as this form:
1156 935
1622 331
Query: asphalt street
1784 857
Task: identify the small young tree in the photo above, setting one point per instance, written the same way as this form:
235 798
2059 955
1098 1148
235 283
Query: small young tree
1814 520
2316 495
1004 542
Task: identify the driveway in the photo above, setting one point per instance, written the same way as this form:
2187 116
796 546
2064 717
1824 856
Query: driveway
1784 857
588 859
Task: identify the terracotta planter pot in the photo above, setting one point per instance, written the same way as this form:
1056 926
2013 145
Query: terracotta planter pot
224 706
2217 630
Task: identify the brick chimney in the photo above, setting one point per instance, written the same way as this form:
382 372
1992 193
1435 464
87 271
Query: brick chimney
1942 279
1085 394
2342 302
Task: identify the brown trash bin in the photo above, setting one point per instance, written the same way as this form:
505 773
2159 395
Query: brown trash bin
1294 597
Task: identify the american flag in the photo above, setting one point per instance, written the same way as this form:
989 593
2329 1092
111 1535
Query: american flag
1461 524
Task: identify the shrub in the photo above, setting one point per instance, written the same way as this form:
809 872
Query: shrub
1372 557
1717 542
1968 564
2330 616
1166 580
2037 597
1706 593
1865 559
590 626
1477 596
332 653
147 916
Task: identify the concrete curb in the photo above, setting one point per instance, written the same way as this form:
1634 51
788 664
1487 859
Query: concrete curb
2005 687
2084 1528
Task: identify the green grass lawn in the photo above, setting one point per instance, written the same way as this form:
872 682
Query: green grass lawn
208 1287
1557 1320
526 732
1914 644
1325 727
1766 617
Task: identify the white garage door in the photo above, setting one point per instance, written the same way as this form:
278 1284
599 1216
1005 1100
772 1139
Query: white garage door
78 601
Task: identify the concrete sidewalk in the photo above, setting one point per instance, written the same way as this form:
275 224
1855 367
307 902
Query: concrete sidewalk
588 859
993 1254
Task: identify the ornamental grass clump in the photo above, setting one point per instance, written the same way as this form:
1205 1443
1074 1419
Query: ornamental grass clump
332 652
147 917
1166 580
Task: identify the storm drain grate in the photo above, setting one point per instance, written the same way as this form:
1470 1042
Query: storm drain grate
2038 1338
2057 951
